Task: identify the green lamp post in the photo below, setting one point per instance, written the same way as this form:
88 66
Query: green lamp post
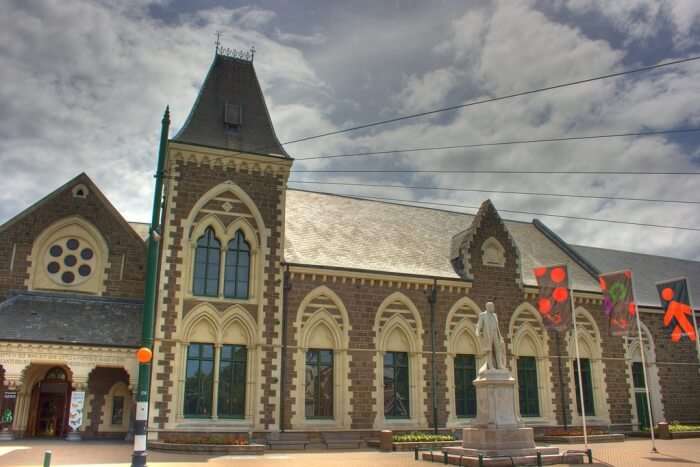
144 354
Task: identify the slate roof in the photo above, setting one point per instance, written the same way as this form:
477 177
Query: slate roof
75 319
233 81
354 233
646 269
141 229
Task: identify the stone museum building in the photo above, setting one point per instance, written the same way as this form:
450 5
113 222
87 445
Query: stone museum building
282 310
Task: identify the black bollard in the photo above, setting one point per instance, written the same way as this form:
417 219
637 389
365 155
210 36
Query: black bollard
539 459
47 458
590 455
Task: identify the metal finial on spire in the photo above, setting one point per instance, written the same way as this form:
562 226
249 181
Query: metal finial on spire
237 53
218 41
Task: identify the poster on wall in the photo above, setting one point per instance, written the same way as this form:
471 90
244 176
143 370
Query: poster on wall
75 415
7 415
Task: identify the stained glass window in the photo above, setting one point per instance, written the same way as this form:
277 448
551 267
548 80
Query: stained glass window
232 381
199 380
236 275
319 384
527 387
465 393
396 388
206 265
587 387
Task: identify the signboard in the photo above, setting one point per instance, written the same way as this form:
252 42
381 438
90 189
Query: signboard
7 415
75 414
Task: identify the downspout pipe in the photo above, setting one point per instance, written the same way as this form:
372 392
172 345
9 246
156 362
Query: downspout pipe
432 299
286 288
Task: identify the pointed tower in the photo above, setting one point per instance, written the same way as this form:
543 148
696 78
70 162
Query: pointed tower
230 112
219 301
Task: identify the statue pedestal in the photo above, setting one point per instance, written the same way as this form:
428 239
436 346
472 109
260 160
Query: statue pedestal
498 430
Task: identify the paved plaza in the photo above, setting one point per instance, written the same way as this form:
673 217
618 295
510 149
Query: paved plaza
633 453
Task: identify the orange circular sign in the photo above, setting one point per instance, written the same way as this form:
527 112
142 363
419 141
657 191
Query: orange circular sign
558 274
144 355
667 294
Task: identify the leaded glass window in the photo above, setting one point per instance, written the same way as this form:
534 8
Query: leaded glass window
199 380
206 265
232 381
396 387
237 268
465 393
528 392
638 375
117 410
319 384
587 387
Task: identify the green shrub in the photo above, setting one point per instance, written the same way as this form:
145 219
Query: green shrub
678 427
421 437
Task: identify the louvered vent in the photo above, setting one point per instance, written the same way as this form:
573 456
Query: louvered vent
233 116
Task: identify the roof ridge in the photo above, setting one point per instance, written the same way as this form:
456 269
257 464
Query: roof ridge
398 203
674 258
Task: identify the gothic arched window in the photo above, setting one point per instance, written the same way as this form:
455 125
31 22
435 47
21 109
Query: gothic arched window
206 265
236 274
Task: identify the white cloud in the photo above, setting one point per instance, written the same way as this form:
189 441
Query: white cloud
84 86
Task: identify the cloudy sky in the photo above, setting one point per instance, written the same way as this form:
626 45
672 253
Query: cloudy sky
84 85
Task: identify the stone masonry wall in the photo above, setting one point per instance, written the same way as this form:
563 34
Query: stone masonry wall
120 238
193 180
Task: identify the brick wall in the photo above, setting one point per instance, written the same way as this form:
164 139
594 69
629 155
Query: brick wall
192 181
100 382
121 241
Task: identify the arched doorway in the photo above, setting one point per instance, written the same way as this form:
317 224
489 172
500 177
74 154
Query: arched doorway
48 412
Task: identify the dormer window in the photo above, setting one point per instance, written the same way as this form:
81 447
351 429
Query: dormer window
233 116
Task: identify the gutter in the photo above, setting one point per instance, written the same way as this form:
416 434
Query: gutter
557 240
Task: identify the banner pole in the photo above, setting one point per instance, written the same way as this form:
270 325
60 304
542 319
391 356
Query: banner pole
695 321
644 367
580 375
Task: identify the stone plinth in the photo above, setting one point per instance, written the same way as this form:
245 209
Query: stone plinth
495 400
498 430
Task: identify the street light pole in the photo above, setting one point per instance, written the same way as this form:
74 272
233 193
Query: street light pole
138 458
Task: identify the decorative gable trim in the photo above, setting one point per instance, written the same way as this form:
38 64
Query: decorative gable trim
487 208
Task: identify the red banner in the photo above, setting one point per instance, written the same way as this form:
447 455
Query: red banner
554 303
618 301
678 317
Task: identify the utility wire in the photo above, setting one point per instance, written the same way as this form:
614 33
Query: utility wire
493 99
561 216
564 195
503 143
537 172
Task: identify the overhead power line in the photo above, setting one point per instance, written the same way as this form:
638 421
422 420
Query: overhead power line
474 190
504 143
492 99
531 213
477 171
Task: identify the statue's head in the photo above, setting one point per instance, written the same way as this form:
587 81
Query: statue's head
490 307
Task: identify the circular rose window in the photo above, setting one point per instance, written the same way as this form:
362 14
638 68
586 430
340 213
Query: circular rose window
70 261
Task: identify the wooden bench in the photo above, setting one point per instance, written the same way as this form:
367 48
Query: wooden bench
342 440
291 441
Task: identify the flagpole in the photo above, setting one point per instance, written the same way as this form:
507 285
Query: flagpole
695 321
644 367
578 364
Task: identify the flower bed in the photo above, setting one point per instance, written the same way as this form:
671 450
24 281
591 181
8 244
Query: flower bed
421 437
411 441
